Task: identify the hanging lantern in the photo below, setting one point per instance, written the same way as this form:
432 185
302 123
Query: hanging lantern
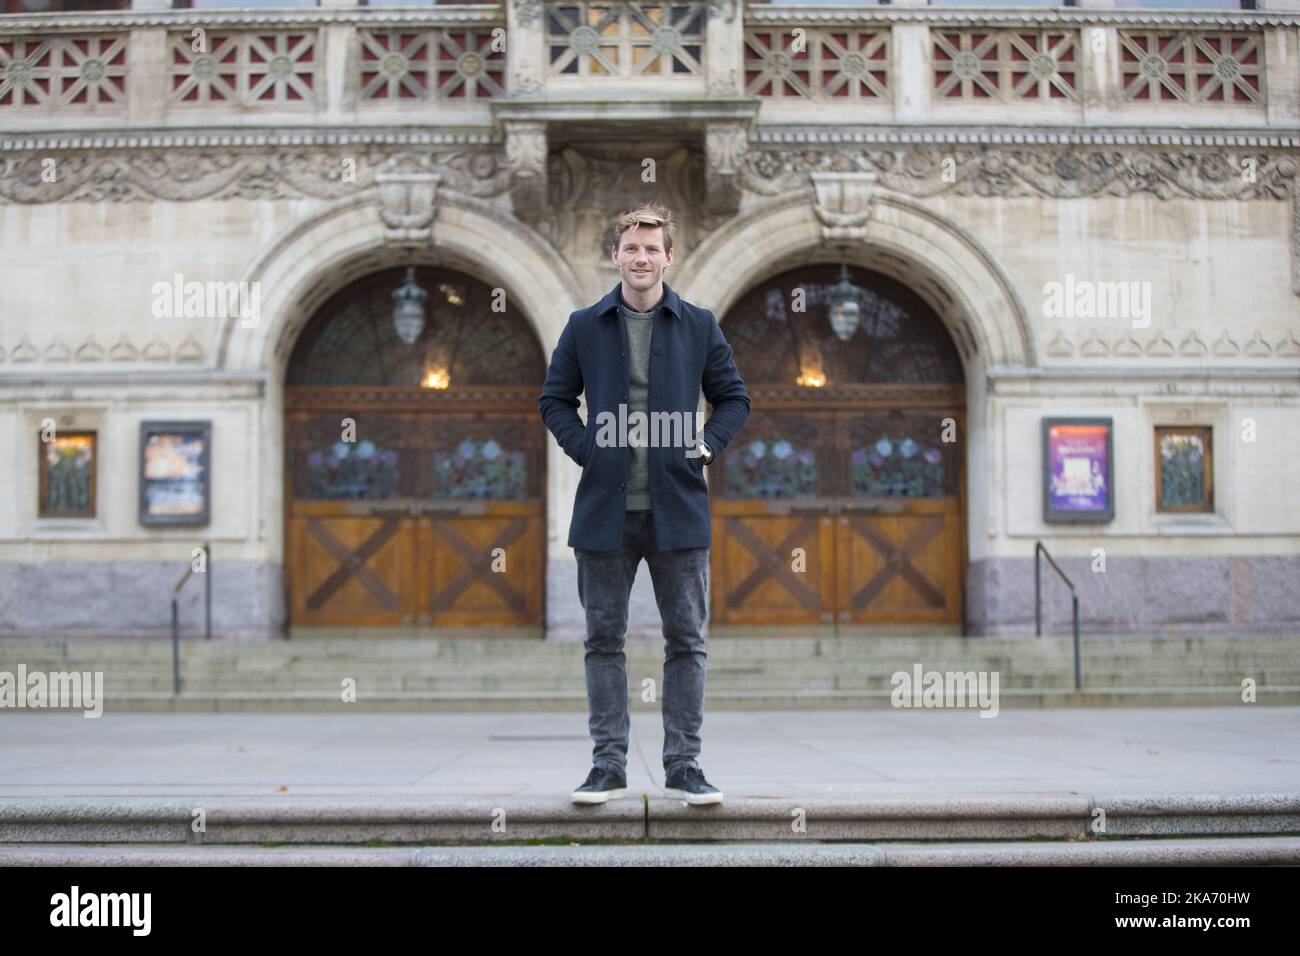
408 308
846 311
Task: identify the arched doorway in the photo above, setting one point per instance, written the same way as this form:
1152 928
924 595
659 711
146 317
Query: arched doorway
842 503
415 471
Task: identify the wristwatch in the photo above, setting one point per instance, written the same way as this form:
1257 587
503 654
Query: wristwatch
707 452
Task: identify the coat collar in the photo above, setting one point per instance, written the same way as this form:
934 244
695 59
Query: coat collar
670 302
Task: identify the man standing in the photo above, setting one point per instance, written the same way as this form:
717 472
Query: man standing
642 355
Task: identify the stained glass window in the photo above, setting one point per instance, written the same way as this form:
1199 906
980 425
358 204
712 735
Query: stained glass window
467 338
780 333
352 470
903 455
67 475
770 465
481 467
1184 480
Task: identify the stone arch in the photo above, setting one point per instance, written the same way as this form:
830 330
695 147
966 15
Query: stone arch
319 255
313 259
939 259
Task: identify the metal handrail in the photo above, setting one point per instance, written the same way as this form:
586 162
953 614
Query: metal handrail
1039 553
207 612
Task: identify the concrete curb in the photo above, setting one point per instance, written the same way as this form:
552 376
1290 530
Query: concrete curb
1258 851
291 819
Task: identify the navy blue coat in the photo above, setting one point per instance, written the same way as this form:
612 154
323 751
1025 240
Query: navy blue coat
687 353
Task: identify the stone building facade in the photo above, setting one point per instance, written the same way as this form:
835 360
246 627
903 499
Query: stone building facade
1047 213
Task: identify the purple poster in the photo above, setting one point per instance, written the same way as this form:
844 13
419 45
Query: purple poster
1078 469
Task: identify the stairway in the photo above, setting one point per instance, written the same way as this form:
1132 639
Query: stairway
485 674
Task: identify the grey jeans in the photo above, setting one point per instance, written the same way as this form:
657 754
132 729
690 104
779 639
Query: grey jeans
681 584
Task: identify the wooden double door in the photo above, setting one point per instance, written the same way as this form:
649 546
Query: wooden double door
420 519
852 513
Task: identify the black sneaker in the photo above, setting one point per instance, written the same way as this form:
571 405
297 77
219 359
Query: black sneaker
601 785
689 782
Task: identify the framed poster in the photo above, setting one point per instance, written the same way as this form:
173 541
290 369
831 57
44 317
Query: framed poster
174 466
1077 470
67 475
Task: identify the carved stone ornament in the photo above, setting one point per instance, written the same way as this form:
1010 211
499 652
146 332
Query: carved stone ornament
843 203
724 147
408 191
526 158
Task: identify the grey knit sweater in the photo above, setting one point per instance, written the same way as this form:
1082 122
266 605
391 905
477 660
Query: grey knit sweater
639 327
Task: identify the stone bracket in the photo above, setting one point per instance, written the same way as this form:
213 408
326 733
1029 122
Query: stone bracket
408 199
725 145
843 203
526 154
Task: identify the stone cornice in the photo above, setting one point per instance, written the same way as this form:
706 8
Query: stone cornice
774 135
155 139
458 15
494 14
993 17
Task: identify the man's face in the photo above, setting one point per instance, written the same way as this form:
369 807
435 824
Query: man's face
641 258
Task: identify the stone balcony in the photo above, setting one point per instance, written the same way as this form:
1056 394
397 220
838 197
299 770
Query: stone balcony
472 69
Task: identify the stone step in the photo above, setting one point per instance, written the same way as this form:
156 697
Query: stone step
1217 851
575 700
1129 649
116 684
356 820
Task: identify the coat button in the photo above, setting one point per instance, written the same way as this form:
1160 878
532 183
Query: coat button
620 487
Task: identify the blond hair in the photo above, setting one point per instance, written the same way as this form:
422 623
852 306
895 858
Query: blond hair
649 214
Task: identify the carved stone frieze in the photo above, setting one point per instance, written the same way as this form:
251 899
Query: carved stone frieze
1051 171
181 175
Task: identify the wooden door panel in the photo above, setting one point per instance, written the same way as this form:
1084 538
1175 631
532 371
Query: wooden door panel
463 583
756 579
901 568
357 569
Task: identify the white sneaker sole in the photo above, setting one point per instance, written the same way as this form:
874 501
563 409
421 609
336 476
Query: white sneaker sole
698 799
600 797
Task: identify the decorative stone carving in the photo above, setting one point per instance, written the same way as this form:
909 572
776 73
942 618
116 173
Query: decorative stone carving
56 351
724 149
843 203
523 87
156 351
1224 346
123 351
1093 346
527 12
90 351
1160 346
121 175
526 151
189 350
724 10
24 352
408 188
1288 346
1256 347
1192 347
1064 171
1060 347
